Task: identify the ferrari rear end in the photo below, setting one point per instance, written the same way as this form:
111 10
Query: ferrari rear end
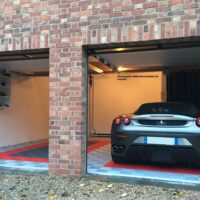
158 133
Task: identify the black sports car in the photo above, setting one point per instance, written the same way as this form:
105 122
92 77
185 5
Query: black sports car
157 132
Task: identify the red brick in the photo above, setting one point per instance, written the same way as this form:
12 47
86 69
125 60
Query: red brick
150 5
175 2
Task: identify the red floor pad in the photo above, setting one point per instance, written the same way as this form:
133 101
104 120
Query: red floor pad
21 158
97 145
26 148
153 168
7 154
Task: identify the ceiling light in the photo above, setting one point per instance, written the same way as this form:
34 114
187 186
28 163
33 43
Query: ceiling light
123 69
119 49
96 69
120 69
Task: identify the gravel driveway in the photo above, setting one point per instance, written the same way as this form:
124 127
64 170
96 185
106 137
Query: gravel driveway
43 187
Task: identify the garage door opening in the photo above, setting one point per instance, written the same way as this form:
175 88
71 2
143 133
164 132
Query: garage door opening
122 78
24 110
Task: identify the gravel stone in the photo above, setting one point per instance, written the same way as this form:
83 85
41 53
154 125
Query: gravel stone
35 187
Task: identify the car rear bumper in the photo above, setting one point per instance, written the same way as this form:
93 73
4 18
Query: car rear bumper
160 154
157 153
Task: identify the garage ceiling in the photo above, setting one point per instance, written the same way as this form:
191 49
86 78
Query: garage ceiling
30 62
186 58
26 66
169 57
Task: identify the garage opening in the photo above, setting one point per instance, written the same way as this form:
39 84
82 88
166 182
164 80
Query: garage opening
131 83
24 110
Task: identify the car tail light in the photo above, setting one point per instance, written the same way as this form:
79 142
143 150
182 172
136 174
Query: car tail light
126 120
123 118
118 121
198 121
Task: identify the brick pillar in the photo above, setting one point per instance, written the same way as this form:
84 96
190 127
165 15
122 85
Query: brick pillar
67 138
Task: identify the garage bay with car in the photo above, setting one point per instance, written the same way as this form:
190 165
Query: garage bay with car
158 132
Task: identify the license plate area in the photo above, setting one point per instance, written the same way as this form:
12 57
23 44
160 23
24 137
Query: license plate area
160 140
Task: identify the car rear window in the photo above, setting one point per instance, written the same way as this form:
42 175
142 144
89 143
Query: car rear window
186 109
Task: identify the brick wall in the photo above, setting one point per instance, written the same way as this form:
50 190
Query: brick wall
64 26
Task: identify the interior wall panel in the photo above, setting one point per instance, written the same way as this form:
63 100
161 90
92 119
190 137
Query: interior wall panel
112 97
27 118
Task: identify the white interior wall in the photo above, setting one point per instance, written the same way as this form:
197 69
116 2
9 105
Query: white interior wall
27 118
112 97
90 107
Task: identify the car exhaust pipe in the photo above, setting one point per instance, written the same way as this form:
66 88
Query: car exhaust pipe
117 149
120 149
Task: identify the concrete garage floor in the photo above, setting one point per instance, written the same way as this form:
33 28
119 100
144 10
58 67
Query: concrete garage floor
31 156
99 163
